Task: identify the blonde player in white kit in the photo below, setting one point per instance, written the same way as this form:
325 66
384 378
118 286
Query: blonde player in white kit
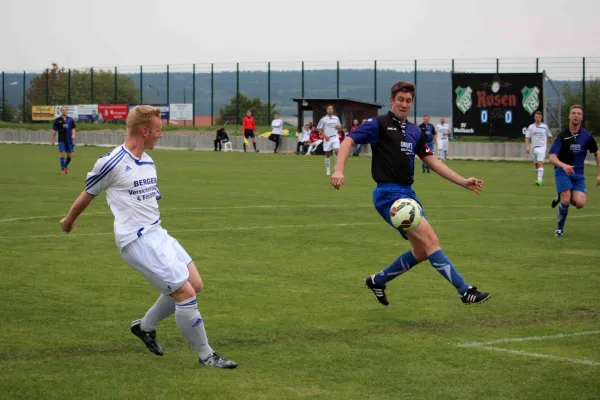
540 136
328 129
128 175
443 133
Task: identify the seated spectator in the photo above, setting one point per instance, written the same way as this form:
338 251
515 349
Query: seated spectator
220 138
341 134
314 141
304 138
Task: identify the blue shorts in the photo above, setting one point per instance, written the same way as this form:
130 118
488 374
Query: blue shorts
385 194
566 182
66 146
430 145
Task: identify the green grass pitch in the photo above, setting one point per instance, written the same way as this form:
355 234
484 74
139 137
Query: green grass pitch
283 257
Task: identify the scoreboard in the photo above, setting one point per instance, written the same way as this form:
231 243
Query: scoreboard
495 104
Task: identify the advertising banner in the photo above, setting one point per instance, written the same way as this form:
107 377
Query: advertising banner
112 112
42 113
181 112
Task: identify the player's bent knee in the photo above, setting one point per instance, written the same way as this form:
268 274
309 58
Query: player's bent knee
579 205
186 291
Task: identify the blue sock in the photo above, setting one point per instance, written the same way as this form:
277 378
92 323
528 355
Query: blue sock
563 211
67 162
62 163
400 265
446 269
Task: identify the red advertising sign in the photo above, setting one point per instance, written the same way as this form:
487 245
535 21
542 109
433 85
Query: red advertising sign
109 112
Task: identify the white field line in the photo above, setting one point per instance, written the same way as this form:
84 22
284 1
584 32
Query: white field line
486 346
208 208
259 227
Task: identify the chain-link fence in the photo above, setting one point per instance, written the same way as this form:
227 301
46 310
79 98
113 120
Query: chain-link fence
223 92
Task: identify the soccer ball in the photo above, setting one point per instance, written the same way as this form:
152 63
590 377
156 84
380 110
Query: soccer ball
406 214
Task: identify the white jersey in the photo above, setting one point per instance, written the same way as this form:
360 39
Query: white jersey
440 130
277 126
306 135
131 192
329 125
539 135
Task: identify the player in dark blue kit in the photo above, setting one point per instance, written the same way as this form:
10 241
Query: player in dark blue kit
568 156
65 126
394 143
429 131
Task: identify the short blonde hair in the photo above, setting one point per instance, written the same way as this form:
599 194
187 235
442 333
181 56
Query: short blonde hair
576 106
140 115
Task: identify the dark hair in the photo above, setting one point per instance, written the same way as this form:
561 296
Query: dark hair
404 87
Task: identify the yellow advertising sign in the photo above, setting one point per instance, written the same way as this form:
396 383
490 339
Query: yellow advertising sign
42 113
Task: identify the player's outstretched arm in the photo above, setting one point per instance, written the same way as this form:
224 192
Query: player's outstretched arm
82 202
337 179
445 172
598 167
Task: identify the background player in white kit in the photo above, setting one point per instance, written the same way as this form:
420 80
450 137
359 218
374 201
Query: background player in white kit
443 133
129 177
540 136
328 128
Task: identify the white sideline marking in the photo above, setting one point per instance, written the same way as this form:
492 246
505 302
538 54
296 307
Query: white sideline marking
248 228
341 206
485 346
528 339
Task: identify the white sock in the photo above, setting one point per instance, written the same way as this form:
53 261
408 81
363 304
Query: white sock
191 325
540 174
163 307
327 162
445 154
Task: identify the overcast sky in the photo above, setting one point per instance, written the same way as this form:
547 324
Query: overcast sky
35 33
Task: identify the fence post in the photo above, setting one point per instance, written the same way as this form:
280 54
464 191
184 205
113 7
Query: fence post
497 65
269 89
3 98
453 65
69 86
237 93
92 85
583 86
537 66
302 79
194 95
24 102
415 104
168 102
212 93
375 81
141 84
47 93
116 88
337 81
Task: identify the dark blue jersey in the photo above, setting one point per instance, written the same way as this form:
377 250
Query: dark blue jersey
429 131
394 145
64 127
572 148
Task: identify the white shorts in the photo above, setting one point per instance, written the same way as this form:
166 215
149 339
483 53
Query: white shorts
442 144
160 259
333 143
538 154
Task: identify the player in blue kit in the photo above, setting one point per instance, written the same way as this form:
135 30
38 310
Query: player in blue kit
394 143
429 131
65 127
568 156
